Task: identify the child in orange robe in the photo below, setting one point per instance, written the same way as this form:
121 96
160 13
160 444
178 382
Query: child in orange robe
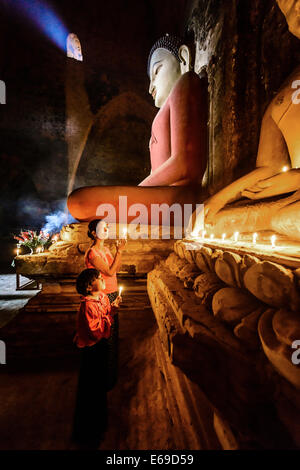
94 320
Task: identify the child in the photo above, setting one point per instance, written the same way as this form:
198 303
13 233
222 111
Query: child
94 320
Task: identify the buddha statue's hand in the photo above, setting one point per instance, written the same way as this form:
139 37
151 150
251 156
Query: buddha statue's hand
279 184
211 207
206 215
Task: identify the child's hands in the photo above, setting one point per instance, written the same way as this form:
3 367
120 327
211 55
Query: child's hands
117 301
121 244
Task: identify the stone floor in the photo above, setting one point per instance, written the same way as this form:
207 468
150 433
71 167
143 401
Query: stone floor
38 383
12 300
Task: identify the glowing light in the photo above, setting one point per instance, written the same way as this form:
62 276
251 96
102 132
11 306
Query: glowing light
18 250
285 169
236 236
254 238
194 234
212 236
74 47
45 19
120 290
203 233
223 236
273 241
125 232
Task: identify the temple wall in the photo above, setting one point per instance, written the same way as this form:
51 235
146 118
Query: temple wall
103 101
247 52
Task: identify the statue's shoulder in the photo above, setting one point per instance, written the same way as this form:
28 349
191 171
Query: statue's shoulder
190 84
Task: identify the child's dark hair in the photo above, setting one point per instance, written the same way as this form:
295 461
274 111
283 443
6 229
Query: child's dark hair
84 279
92 227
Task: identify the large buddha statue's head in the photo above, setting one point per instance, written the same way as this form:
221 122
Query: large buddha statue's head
169 58
291 11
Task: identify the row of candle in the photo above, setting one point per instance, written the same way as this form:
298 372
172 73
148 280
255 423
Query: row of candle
235 238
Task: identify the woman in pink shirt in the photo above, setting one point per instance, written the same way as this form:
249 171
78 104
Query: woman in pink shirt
99 257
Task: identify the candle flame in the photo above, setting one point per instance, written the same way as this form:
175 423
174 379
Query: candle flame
236 236
285 169
203 233
212 236
120 290
223 236
254 238
273 241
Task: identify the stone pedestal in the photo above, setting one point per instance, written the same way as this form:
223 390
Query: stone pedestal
228 320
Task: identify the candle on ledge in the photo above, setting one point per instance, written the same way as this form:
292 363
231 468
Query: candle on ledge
124 232
273 241
18 250
236 236
223 237
203 233
212 236
120 290
254 238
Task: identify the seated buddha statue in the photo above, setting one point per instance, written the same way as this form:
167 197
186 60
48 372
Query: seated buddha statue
178 144
279 148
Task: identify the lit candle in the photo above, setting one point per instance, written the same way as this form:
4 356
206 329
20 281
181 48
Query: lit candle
203 233
124 232
223 236
120 290
38 250
236 236
273 241
254 238
285 169
18 250
212 236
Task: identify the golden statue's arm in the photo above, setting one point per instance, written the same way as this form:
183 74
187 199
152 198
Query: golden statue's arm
272 157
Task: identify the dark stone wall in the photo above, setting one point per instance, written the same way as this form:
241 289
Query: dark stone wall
116 37
247 51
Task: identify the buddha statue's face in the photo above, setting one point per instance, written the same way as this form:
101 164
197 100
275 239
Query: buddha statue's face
164 73
291 11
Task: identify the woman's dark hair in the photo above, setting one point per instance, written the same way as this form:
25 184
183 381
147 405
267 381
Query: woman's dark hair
84 279
92 227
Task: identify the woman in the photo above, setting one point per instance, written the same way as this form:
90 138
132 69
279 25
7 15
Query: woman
99 257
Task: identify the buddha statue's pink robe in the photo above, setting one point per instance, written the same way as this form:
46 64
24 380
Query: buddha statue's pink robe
178 145
178 152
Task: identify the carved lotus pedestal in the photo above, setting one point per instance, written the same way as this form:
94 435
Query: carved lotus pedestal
228 317
58 268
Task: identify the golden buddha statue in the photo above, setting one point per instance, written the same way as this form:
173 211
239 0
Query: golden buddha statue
277 169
